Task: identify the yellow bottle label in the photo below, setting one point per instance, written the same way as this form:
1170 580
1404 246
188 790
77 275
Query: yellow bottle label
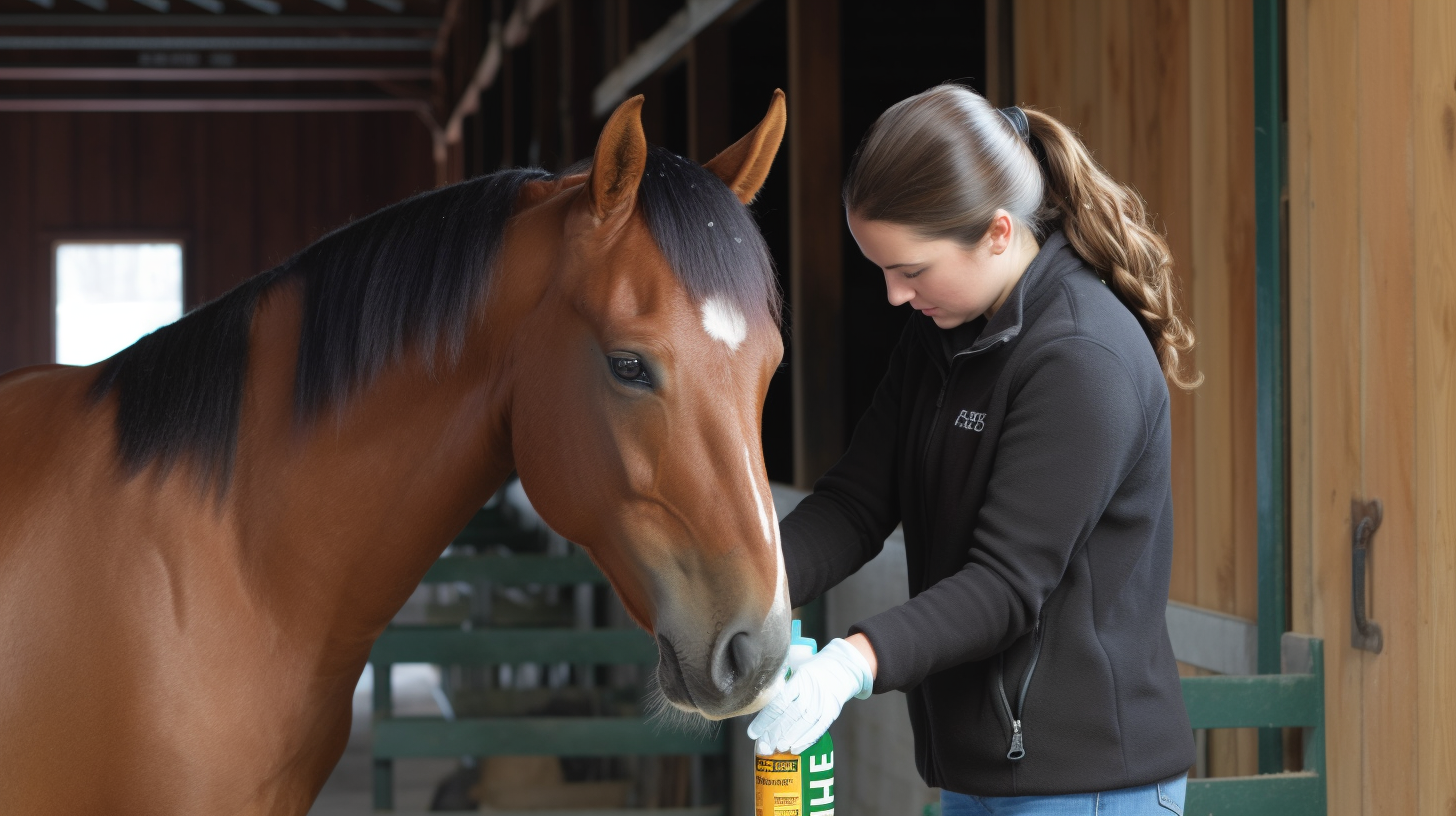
789 785
777 785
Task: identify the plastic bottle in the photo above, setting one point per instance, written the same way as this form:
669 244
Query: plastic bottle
796 784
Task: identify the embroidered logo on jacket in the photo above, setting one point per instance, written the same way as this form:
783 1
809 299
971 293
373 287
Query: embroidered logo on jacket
971 421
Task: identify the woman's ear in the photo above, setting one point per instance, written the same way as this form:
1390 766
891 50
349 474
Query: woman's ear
1000 232
744 165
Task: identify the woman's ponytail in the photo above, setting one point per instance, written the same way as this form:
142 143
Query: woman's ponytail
1108 225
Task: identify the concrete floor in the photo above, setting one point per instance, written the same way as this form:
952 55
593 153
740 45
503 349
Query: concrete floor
349 790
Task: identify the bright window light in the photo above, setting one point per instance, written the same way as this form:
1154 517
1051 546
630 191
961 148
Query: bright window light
110 294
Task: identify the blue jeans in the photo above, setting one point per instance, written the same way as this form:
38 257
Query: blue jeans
1159 799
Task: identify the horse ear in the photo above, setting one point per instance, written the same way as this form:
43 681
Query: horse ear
619 161
745 164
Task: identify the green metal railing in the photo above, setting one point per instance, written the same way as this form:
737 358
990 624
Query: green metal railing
406 737
1295 699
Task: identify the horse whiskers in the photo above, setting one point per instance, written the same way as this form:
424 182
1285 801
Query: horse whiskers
665 716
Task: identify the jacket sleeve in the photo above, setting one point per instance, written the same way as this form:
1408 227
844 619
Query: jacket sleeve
843 524
1074 428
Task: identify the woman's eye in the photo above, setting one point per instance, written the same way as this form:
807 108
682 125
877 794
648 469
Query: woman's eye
915 274
629 369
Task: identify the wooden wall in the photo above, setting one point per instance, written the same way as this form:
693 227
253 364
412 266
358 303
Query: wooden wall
243 191
1372 265
1162 92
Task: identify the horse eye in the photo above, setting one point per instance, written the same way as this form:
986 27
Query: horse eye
629 369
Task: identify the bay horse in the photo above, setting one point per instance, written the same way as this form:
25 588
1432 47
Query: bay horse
201 537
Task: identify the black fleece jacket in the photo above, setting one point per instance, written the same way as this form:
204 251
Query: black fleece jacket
1031 471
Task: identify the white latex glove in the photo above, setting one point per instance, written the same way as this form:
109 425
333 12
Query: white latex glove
811 699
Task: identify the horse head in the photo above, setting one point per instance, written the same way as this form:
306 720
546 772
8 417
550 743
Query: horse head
637 401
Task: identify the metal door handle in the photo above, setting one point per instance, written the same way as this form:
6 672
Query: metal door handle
1364 521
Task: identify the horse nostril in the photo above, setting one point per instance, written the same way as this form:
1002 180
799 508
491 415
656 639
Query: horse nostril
743 654
739 658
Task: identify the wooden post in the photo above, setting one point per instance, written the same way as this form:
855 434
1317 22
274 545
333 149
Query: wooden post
581 46
654 124
815 223
546 42
507 83
492 127
708 93
1000 81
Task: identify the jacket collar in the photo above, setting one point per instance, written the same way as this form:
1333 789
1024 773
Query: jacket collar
1046 268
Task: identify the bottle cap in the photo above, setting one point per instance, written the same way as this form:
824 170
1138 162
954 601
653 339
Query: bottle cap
800 647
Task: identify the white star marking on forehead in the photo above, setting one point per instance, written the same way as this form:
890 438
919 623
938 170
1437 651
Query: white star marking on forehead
722 321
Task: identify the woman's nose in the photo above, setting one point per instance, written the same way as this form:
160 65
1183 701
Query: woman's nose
898 293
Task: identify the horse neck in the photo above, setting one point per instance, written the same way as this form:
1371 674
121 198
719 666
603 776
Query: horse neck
343 516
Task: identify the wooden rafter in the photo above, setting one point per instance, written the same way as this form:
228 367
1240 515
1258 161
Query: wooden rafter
657 50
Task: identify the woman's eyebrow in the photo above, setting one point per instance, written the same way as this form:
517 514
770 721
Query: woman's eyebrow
898 265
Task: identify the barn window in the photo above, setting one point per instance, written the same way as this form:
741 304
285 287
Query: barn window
108 294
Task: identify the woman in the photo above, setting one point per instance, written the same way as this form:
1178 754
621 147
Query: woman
1021 436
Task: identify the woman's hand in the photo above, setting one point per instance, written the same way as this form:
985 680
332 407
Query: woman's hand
813 696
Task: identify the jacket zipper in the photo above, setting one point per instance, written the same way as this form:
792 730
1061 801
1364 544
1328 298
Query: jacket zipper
944 384
935 418
1016 742
1018 747
934 424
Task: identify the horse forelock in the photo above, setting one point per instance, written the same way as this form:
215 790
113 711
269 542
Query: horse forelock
711 241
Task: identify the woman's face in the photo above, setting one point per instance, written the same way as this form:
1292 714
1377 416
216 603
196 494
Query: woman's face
948 282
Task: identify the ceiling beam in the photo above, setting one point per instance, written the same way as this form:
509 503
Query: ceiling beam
88 20
67 43
512 34
656 51
195 105
367 73
446 28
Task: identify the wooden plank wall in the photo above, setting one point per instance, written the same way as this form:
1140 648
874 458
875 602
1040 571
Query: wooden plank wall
244 191
1372 260
1434 124
1162 92
816 268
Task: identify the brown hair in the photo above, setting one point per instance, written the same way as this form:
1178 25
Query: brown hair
944 161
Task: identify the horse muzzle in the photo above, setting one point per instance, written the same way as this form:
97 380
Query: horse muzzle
728 676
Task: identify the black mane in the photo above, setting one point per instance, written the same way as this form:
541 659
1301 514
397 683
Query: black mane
405 278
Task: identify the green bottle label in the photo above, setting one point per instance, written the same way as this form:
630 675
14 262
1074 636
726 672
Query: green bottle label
818 776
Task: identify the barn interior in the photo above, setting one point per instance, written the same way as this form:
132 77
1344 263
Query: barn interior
1298 158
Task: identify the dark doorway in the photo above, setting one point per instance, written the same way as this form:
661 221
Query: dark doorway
890 51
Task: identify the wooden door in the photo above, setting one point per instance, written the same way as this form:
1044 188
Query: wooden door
1372 296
